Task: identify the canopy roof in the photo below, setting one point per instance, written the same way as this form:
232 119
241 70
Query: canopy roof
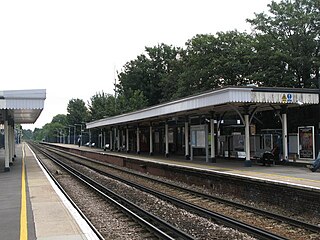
219 100
21 106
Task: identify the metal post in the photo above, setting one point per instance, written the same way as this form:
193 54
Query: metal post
213 154
101 138
218 136
74 135
6 146
118 138
284 134
111 142
138 141
247 141
167 139
81 134
151 140
186 140
206 142
10 144
127 139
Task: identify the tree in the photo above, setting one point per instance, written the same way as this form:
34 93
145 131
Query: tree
77 111
212 61
147 71
60 118
131 101
289 43
102 105
27 134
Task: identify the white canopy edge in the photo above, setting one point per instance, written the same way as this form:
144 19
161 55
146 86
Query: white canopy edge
24 106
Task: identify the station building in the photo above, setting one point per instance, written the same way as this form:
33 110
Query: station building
17 107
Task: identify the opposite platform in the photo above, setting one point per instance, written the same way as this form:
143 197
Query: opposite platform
295 175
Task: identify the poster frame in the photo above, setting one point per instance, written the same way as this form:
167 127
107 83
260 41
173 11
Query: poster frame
310 131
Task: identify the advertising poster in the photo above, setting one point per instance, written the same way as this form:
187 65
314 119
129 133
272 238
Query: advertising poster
306 142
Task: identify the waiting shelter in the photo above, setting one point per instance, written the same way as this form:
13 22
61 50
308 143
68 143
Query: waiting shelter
18 107
196 122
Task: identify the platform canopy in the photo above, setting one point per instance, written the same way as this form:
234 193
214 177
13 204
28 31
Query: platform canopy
21 106
218 100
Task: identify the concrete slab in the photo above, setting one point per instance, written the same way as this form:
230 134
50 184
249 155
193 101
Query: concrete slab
52 219
10 200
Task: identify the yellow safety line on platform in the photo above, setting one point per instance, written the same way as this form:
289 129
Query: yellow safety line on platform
23 213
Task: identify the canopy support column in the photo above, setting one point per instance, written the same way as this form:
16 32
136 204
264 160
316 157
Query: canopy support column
6 147
284 133
151 140
111 140
213 154
186 139
138 140
118 138
127 139
11 142
248 162
167 139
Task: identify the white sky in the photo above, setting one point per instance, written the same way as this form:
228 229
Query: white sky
71 48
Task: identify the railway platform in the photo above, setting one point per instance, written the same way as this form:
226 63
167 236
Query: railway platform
33 207
291 174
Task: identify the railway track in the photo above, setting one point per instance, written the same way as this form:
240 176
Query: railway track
158 228
208 203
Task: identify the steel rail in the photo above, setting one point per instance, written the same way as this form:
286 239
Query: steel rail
294 222
69 198
227 221
164 230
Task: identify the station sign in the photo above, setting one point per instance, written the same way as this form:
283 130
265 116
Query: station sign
274 97
284 97
287 98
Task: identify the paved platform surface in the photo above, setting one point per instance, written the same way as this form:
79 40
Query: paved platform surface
40 214
296 174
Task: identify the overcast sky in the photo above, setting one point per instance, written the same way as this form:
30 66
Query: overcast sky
72 48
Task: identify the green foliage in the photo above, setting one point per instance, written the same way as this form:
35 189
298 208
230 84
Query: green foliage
49 132
148 73
77 112
288 43
131 101
102 105
60 118
213 61
27 134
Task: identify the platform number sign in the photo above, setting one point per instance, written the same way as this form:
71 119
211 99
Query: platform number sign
287 98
